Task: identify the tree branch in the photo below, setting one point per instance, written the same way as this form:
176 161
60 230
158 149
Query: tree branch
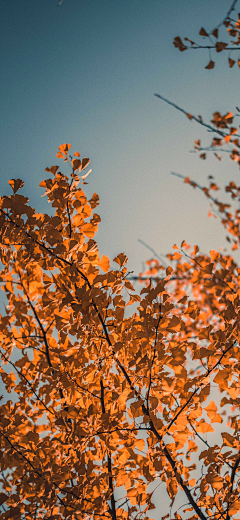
29 384
210 370
154 354
112 509
199 121
234 469
40 474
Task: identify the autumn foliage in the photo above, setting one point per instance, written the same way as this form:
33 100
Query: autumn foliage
107 404
102 404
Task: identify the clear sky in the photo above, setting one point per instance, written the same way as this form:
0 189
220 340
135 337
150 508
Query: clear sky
85 73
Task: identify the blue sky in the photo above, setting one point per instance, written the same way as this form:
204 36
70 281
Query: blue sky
85 73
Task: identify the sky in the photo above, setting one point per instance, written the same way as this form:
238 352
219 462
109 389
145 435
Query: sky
85 73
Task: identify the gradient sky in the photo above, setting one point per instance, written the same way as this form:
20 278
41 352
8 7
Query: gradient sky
85 73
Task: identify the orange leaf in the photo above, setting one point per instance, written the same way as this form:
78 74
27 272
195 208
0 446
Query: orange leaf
64 147
177 42
220 46
215 480
123 457
234 508
53 169
231 62
211 409
192 482
3 498
104 264
76 164
210 65
89 230
202 32
16 184
221 375
85 162
227 138
172 487
121 259
203 427
176 256
217 418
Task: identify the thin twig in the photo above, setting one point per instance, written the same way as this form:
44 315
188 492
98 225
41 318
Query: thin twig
153 251
210 370
234 469
153 358
29 384
231 8
199 121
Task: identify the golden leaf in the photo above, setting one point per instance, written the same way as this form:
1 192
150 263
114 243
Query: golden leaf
104 264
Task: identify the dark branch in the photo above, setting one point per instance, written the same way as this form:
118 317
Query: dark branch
199 121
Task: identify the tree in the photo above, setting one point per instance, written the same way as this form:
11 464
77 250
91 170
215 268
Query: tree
232 26
101 402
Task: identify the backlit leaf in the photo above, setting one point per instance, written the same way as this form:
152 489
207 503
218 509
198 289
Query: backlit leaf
104 264
16 184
